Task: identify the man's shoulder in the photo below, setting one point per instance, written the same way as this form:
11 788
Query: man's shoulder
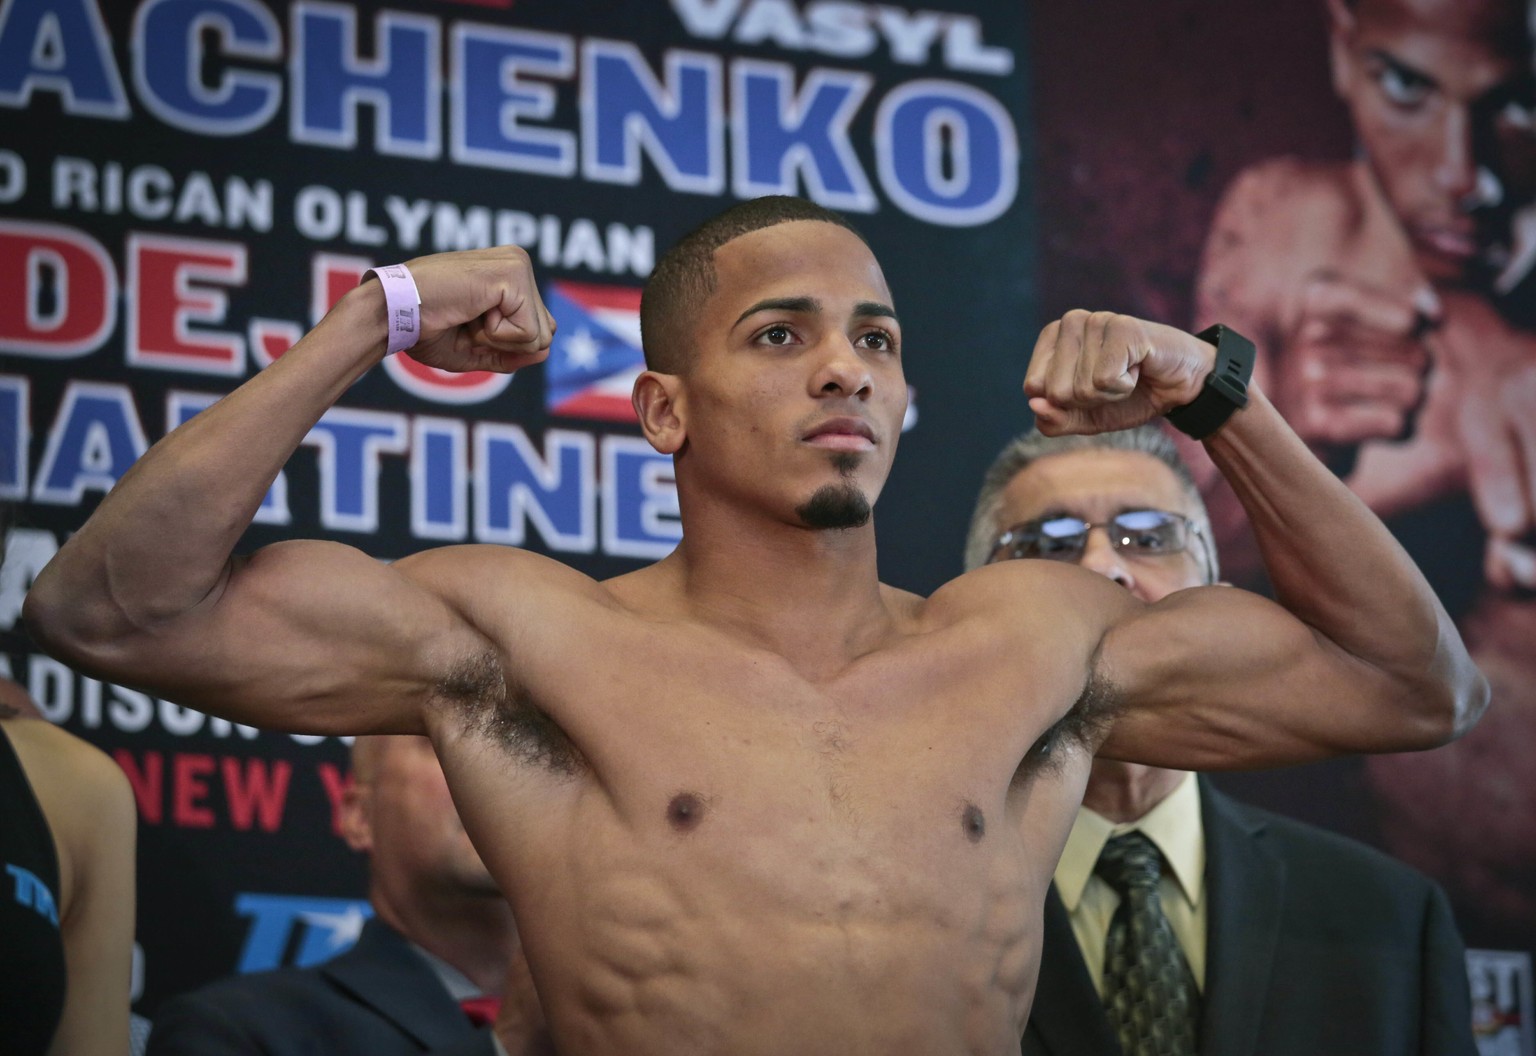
258 991
480 562
1290 181
250 1013
1006 580
1039 624
1285 199
1309 850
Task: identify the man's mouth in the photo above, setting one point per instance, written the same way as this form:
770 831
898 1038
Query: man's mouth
1457 243
842 434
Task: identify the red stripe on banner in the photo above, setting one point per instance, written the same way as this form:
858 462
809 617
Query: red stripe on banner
601 407
594 295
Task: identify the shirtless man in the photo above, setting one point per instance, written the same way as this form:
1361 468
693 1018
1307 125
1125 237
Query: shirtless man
1393 298
747 799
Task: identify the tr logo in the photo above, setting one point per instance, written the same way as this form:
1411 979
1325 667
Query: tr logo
316 928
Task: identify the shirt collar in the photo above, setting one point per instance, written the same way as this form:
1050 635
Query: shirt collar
1173 825
458 985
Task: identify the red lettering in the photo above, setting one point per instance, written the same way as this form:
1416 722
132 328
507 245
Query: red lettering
189 785
163 273
58 290
336 784
256 793
270 338
444 386
332 275
148 783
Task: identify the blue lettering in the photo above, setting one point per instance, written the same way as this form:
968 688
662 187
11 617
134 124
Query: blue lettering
513 484
350 442
61 46
490 99
439 479
947 153
168 63
774 136
330 925
15 436
34 894
640 510
329 81
94 440
624 109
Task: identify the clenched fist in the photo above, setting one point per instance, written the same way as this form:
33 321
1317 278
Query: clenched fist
480 310
1354 363
1095 372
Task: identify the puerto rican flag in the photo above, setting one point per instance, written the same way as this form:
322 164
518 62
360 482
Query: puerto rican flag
596 354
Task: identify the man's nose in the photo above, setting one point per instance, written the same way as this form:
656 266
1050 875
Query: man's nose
1100 556
843 372
1456 167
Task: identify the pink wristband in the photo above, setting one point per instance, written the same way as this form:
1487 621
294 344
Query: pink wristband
402 303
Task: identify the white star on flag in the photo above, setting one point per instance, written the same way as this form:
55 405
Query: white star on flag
581 350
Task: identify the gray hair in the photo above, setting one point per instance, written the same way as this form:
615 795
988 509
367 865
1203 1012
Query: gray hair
1022 451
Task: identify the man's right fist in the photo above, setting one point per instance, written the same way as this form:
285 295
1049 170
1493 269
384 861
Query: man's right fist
1353 364
480 310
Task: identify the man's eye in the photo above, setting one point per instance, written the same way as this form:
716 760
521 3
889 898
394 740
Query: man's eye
777 335
878 340
1403 87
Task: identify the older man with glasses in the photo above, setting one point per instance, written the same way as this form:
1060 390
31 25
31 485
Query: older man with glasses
1181 921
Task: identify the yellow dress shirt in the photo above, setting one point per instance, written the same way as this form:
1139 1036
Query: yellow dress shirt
1174 825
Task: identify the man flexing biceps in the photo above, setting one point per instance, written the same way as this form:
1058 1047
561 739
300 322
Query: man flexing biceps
748 799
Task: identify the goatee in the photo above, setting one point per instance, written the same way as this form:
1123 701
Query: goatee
837 505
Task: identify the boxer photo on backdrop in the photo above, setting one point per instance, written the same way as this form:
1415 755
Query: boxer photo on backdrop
1394 299
747 799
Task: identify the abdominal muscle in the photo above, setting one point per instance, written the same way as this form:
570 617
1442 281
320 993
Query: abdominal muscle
773 928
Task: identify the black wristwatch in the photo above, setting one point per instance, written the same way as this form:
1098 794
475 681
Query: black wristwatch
1226 386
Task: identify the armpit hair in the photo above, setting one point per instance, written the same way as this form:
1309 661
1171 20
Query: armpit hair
1085 726
494 707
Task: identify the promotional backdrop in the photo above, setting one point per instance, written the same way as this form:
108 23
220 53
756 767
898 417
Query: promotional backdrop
187 185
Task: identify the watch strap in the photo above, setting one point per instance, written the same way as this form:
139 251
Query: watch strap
1226 386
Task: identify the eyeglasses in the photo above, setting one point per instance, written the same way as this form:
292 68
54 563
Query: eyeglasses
1144 533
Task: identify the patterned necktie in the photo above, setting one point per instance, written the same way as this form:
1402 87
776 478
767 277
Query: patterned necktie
1149 992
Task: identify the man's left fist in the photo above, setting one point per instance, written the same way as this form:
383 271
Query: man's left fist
1095 372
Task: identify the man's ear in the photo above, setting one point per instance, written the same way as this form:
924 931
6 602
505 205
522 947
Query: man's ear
1341 59
354 815
659 404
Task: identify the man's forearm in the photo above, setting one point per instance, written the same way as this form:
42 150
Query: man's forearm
1337 568
161 541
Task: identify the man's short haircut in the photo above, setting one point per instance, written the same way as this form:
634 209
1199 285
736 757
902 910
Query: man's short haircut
1022 451
685 276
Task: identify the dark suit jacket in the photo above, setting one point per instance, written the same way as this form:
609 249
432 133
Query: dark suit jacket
1315 946
377 999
